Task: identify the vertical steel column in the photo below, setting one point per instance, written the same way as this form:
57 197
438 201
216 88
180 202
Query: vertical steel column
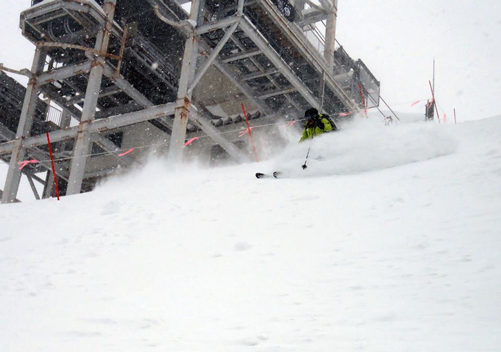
330 35
240 7
48 188
83 141
183 102
65 119
23 130
299 4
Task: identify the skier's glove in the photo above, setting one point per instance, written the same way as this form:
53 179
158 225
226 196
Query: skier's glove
320 125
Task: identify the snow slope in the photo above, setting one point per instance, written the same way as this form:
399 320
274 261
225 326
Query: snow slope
389 242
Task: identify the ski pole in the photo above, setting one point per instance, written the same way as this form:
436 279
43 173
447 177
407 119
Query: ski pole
307 154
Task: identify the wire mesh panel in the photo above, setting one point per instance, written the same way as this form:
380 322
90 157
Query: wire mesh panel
370 84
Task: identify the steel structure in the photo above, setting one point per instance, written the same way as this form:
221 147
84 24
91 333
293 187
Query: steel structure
111 66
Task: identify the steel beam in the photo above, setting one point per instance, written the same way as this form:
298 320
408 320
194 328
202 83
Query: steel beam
65 119
36 178
217 25
327 4
44 160
14 174
299 5
101 125
296 36
25 122
212 56
240 8
15 200
33 188
104 93
313 5
243 55
37 154
259 74
132 92
237 82
263 69
121 83
49 185
330 35
312 16
131 118
183 103
277 61
6 133
117 110
274 93
61 102
64 73
82 145
83 141
211 131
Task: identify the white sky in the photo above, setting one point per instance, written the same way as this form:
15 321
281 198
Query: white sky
397 40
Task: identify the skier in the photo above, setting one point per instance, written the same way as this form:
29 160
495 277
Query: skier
316 124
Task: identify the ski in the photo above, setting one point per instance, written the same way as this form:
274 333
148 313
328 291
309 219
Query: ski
275 174
261 175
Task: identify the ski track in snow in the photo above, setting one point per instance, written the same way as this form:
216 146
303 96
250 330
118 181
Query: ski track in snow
390 242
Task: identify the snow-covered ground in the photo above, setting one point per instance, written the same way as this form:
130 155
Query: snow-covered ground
390 242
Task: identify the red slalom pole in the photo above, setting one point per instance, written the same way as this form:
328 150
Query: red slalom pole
250 133
53 168
363 99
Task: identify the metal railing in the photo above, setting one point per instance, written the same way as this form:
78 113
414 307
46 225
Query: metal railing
316 38
54 115
347 73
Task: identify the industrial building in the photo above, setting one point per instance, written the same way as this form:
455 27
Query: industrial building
114 81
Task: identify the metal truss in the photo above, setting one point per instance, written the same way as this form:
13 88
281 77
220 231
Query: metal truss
236 45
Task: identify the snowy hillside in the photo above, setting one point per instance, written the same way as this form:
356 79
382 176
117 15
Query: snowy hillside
389 242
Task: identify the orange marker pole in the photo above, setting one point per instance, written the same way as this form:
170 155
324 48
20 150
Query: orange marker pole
250 133
363 99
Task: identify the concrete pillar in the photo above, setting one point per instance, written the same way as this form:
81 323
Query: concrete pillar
83 142
23 130
184 95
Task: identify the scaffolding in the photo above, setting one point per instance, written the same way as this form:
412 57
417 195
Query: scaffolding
109 69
